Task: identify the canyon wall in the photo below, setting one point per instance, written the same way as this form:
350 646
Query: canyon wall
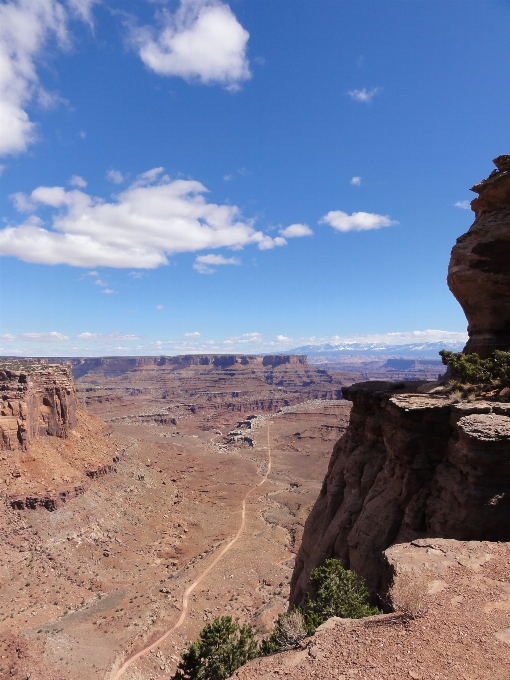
38 400
479 270
410 466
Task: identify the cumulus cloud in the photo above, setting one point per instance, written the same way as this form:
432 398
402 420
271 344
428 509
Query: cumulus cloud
194 334
201 41
108 291
356 181
138 229
358 221
465 205
283 338
53 336
115 176
296 231
26 28
364 95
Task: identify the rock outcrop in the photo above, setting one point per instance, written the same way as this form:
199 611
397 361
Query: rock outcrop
36 401
479 270
410 465
463 634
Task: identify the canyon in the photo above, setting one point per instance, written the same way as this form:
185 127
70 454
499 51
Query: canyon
144 496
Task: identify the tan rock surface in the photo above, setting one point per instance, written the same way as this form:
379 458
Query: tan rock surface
479 270
464 634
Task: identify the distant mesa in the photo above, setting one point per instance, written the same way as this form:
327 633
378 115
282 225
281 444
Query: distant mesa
479 270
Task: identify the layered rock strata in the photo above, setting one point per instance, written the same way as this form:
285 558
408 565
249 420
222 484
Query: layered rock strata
410 465
479 270
38 400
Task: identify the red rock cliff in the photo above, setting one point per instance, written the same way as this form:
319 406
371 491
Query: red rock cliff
38 400
409 466
479 270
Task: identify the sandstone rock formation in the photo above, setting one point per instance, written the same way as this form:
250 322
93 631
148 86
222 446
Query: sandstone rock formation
479 270
410 465
38 400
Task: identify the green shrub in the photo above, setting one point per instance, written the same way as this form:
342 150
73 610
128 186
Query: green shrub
336 592
469 369
222 647
288 632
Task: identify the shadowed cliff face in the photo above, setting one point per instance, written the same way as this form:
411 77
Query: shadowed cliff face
409 466
479 270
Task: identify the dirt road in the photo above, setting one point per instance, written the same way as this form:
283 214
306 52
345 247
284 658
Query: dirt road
186 595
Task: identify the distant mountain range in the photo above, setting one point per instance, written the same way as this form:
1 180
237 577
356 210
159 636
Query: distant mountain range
418 349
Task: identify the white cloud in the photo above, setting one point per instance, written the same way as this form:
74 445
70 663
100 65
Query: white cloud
358 221
202 262
364 95
99 282
466 205
139 228
296 231
194 334
283 338
201 41
77 181
53 336
108 291
356 181
159 307
26 28
22 203
114 336
115 176
228 178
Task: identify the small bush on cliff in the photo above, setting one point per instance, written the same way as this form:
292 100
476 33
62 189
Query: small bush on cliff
471 370
336 592
408 595
288 633
221 648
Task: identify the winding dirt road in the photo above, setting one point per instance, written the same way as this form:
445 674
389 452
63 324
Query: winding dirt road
201 576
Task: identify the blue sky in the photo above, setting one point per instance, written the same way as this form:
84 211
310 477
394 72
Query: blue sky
252 176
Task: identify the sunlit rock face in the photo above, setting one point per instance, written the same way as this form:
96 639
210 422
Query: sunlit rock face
479 270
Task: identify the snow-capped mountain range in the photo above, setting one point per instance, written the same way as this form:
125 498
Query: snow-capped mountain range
417 349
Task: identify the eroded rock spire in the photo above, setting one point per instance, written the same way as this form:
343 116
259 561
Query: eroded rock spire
479 269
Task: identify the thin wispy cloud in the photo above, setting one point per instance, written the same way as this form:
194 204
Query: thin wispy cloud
77 181
358 221
203 263
53 336
364 95
151 219
114 336
115 176
201 41
356 181
465 205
